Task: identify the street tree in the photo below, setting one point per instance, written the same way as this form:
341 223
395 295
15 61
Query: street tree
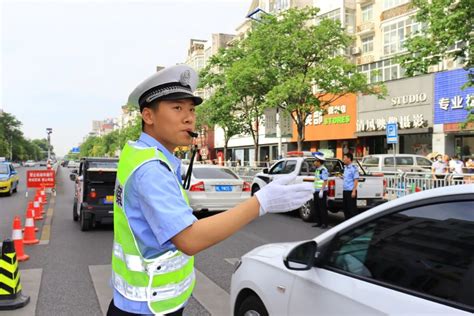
294 55
447 34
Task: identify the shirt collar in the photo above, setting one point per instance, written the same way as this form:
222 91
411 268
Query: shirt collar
151 142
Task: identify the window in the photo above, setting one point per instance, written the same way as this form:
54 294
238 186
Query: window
395 35
276 169
308 168
387 4
404 161
289 167
427 250
367 44
382 71
367 13
420 161
282 5
334 15
388 161
4 169
214 173
370 161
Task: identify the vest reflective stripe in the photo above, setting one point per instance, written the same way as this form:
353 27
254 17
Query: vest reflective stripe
153 294
318 182
171 275
135 263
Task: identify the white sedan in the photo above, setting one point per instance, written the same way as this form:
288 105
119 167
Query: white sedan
215 188
410 256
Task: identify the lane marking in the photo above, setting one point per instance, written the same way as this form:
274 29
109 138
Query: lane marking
30 281
46 230
232 261
212 297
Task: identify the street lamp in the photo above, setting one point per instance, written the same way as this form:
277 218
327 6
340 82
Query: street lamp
49 130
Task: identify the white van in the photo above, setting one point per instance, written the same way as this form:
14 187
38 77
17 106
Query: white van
404 162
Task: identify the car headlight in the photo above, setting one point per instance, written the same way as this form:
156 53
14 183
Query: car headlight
237 265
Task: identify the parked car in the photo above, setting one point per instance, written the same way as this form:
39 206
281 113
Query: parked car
73 164
42 163
215 188
8 178
64 163
94 191
30 163
370 190
404 162
409 256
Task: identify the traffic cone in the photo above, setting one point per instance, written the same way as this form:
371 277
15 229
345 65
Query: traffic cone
17 237
30 207
38 208
10 285
30 237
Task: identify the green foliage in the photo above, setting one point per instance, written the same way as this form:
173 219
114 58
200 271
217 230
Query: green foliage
278 64
14 144
446 23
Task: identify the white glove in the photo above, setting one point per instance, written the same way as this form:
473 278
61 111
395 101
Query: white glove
321 194
279 196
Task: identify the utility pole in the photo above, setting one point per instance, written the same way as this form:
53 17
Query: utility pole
49 131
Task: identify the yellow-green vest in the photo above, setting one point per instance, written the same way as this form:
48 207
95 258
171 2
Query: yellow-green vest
165 282
318 182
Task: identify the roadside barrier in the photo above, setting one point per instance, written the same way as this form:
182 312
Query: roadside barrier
11 296
17 237
30 236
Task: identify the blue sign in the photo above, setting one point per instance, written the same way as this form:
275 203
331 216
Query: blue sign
392 133
450 101
75 150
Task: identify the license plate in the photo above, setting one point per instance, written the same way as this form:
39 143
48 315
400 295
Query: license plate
109 199
361 202
223 188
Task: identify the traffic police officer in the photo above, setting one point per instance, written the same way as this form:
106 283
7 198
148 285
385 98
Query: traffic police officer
155 232
320 197
351 181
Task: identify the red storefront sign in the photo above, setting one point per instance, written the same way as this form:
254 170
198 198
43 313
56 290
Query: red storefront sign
39 178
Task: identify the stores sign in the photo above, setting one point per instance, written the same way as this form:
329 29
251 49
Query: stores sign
404 122
319 119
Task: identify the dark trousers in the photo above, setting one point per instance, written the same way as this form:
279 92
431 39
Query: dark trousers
320 208
349 204
115 311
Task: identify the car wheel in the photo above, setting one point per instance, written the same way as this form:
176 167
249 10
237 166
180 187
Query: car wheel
86 223
10 192
306 212
16 187
255 189
252 306
75 216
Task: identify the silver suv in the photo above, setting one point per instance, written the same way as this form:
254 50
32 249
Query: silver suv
404 162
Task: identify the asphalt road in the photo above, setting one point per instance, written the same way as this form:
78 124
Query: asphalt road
67 285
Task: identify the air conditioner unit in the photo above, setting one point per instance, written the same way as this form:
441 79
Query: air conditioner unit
355 50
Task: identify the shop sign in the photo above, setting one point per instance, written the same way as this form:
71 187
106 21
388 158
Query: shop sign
319 119
403 121
409 99
451 101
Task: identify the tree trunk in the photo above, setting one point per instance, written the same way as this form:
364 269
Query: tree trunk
300 128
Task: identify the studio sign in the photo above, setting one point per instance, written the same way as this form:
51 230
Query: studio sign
409 99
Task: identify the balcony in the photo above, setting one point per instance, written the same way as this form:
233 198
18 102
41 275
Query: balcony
365 59
365 28
363 2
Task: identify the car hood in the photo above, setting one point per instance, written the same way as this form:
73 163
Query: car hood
277 250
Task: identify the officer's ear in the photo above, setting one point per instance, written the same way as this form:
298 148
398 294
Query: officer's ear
148 114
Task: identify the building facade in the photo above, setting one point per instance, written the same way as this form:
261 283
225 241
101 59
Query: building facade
451 106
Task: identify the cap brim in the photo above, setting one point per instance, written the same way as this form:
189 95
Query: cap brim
181 95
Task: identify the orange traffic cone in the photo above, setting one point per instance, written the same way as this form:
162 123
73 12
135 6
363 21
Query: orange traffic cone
17 237
30 207
30 237
37 207
42 194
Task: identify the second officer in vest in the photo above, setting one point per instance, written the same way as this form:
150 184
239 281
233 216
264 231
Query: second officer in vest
155 232
321 176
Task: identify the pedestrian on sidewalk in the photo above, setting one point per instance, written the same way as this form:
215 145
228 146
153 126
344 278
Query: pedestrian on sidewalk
320 195
155 232
351 181
439 169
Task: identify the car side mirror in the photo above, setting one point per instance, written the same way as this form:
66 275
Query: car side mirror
14 172
302 257
265 170
73 176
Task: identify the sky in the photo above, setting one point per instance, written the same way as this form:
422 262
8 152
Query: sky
66 63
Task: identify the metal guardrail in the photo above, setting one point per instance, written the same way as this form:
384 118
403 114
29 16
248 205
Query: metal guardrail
404 183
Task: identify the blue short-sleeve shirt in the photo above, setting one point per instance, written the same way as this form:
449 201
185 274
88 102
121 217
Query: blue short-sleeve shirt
156 211
323 175
351 173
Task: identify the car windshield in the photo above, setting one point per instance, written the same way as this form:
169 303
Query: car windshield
3 169
214 173
103 165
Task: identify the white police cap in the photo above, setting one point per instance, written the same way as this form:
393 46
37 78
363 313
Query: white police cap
172 83
319 156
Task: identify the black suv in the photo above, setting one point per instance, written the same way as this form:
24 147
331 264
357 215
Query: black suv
94 192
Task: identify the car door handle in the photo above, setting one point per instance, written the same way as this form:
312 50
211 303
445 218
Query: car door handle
281 289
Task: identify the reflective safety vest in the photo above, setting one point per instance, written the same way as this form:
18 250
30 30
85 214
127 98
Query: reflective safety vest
318 182
165 282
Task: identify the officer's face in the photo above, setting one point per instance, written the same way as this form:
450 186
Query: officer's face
170 121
